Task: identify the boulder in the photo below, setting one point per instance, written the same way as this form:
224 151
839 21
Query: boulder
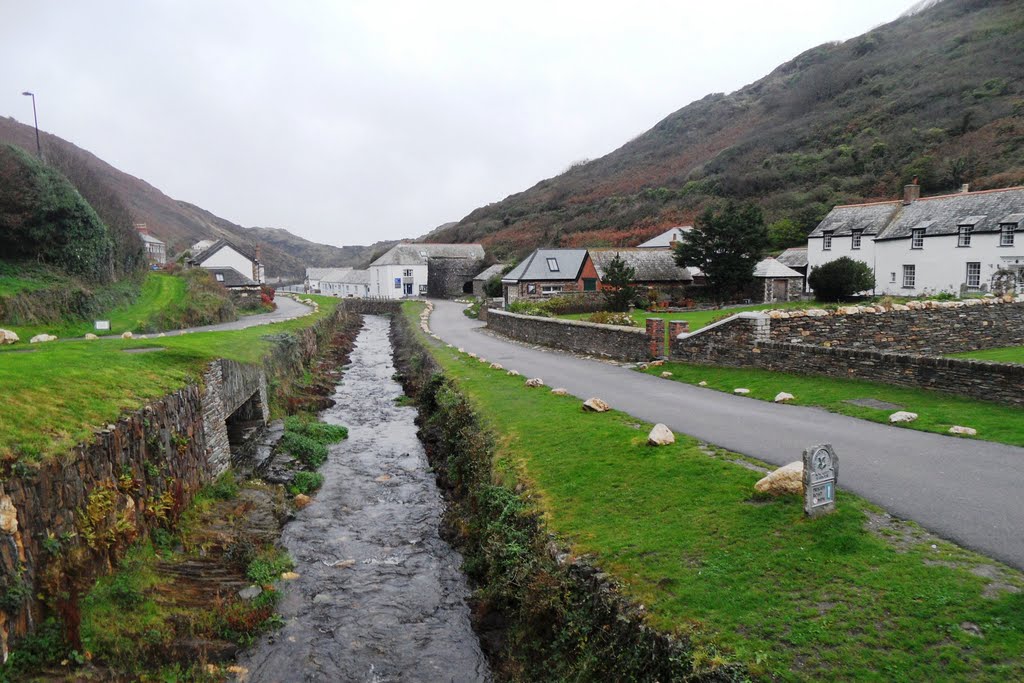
8 337
497 366
250 593
512 373
786 480
666 374
702 383
965 431
471 355
642 366
126 335
902 416
90 335
8 516
482 359
534 383
741 391
40 338
302 500
560 391
783 397
660 436
656 363
461 350
289 576
595 405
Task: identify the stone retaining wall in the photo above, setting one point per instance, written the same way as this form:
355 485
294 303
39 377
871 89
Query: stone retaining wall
592 339
372 306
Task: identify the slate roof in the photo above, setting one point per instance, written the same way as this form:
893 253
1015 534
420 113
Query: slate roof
356 277
666 238
770 267
232 278
651 265
149 238
324 273
214 248
490 271
940 215
794 257
414 254
535 266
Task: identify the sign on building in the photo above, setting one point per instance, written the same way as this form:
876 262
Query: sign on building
821 471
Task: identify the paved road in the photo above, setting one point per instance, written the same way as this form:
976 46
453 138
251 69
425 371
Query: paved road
286 310
965 490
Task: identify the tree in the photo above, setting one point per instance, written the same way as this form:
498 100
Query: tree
725 245
785 233
619 292
492 287
840 279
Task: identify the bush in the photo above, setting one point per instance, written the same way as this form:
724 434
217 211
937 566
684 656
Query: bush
305 482
840 279
321 432
311 453
609 318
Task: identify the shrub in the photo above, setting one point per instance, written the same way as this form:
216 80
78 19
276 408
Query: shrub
321 432
840 279
305 482
311 453
609 318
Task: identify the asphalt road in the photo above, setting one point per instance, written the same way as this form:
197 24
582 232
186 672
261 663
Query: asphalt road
287 309
967 491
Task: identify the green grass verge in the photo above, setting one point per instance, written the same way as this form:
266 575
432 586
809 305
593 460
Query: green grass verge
1009 354
800 599
937 412
699 319
55 395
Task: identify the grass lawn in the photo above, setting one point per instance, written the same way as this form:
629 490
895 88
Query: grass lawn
937 412
57 393
800 599
1009 354
159 291
699 319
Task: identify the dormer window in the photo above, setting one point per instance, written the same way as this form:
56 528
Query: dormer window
964 236
855 239
219 276
1006 235
826 241
553 265
917 238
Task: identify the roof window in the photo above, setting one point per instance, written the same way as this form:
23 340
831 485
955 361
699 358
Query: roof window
553 265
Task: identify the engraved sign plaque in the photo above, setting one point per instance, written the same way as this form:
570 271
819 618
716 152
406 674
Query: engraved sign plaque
821 471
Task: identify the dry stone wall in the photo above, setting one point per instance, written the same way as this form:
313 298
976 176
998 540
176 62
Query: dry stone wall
592 339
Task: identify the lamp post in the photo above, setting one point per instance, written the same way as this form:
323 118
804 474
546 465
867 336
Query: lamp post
35 119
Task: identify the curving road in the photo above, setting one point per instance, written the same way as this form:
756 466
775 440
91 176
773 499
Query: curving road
965 490
287 309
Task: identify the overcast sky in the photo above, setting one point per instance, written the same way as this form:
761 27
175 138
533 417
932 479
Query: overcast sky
348 122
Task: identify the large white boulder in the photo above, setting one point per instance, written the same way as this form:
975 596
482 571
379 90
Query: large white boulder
660 435
126 335
902 416
8 337
534 383
964 431
560 391
785 480
90 335
595 405
784 397
741 391
40 338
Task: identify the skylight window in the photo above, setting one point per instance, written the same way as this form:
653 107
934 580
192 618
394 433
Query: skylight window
553 265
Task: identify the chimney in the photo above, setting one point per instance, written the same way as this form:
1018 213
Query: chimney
911 192
141 227
965 188
259 253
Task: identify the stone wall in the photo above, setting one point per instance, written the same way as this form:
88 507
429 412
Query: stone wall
227 385
447 276
592 339
371 306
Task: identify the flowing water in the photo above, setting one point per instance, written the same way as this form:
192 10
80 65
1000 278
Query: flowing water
380 596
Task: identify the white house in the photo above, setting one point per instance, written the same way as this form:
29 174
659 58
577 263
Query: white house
223 254
156 250
340 282
403 272
667 239
957 243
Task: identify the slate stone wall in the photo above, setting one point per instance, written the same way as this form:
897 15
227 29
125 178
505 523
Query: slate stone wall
447 276
371 306
592 339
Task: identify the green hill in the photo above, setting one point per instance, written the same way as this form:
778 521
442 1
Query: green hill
938 94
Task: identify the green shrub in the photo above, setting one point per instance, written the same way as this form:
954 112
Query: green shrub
268 566
321 432
305 482
840 279
310 452
609 318
224 487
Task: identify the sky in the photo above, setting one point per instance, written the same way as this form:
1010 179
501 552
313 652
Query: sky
348 122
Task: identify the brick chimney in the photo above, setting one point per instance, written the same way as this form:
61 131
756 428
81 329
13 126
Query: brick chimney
911 192
141 228
965 188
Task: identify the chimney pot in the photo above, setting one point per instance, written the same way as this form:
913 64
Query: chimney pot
912 192
965 188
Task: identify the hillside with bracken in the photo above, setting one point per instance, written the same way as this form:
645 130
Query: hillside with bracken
937 94
179 223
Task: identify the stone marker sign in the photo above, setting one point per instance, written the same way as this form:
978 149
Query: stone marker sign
821 471
102 324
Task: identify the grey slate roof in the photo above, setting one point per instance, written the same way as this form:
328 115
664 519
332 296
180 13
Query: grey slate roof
941 215
325 274
490 271
665 239
214 248
535 266
149 238
651 265
770 267
356 277
794 257
232 278
413 254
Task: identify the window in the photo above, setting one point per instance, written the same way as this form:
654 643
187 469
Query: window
548 290
423 290
855 239
553 265
531 288
219 276
909 275
1006 235
826 241
892 277
973 275
964 236
407 272
917 238
589 284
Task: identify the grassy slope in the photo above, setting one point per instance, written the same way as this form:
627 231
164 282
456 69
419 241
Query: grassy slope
1011 354
807 600
57 394
699 319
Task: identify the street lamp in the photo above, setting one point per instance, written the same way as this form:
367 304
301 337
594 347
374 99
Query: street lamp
35 118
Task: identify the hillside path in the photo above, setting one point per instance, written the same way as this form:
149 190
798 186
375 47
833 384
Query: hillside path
287 309
965 490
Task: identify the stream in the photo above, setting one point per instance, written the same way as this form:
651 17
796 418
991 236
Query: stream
380 596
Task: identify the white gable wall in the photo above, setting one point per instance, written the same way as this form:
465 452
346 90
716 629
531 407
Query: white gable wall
842 246
383 281
226 257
